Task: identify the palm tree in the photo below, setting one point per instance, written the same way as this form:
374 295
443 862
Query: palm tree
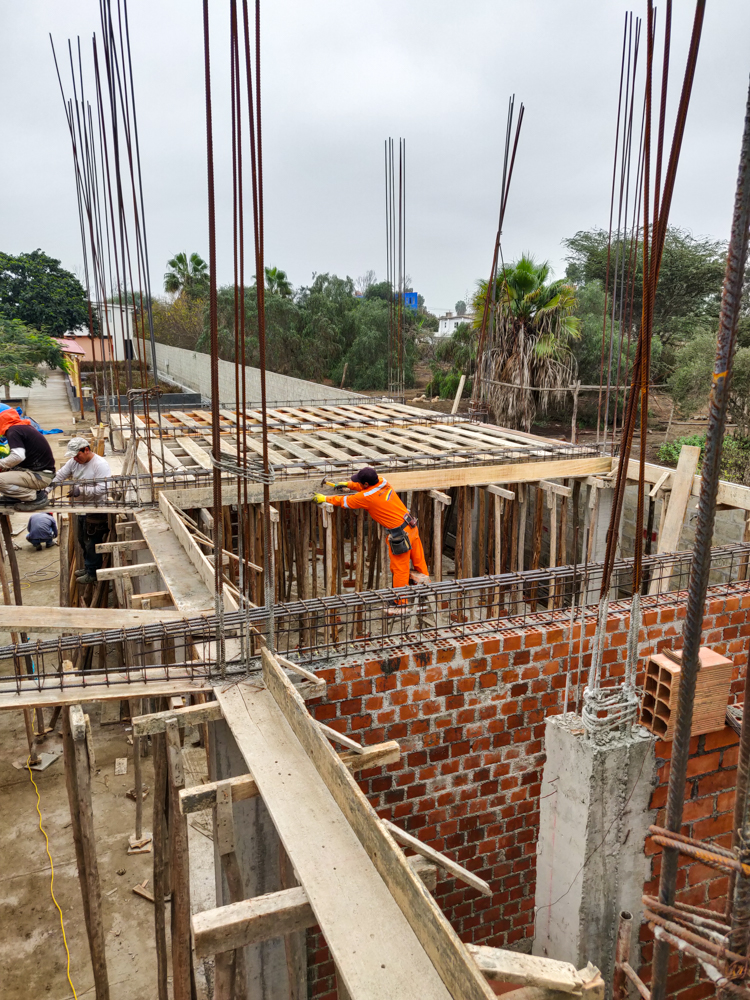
188 275
527 339
277 283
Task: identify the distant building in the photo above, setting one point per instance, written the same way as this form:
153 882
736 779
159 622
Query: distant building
116 326
448 323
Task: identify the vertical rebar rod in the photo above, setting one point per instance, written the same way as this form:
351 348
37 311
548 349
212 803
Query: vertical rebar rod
701 559
214 337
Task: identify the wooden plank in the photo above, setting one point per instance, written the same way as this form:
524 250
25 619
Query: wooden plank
501 965
424 479
251 921
244 787
446 951
44 620
191 715
669 540
132 545
456 870
134 569
372 944
182 580
117 687
198 454
731 494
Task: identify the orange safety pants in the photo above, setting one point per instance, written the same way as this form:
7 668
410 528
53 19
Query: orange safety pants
415 557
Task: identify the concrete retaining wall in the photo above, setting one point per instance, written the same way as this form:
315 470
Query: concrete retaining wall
192 370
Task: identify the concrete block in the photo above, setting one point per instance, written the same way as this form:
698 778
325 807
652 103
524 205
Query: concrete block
594 815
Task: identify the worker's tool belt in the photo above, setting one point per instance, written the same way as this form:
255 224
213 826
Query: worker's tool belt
397 537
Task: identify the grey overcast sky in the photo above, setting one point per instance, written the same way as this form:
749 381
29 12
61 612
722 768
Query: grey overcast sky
338 77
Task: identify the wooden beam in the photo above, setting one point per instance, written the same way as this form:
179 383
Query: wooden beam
731 494
454 869
440 942
244 787
251 921
192 715
345 891
498 491
563 491
426 479
442 497
38 620
134 545
113 689
501 965
318 682
134 569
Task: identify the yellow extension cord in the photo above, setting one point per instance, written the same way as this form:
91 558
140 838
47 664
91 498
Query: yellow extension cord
52 879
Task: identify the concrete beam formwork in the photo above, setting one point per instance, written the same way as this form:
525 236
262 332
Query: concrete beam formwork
594 815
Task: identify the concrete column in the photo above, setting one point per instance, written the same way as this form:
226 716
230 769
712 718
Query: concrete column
257 848
593 820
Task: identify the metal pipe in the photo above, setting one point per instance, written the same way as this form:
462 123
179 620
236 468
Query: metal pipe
701 562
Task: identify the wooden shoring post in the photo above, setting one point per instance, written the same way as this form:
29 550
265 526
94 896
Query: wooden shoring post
562 541
341 519
10 556
439 501
372 556
481 532
231 973
552 504
742 574
458 534
182 959
73 550
383 559
78 781
574 421
360 581
523 505
315 519
63 531
14 637
138 843
295 946
536 540
161 871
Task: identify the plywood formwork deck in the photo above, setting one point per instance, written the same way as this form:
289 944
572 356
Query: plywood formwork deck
303 439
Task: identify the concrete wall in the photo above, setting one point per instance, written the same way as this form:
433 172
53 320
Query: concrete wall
192 370
470 714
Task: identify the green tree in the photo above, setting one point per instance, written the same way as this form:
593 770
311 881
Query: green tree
691 380
187 275
36 290
277 283
460 308
529 341
689 290
22 350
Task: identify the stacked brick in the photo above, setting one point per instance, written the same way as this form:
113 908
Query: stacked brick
469 715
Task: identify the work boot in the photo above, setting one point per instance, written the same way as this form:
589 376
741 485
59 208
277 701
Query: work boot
41 501
38 548
81 572
84 581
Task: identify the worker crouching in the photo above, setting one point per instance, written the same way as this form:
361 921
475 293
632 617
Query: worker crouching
372 493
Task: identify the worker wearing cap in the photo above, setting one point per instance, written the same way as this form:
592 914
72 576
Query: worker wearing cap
88 473
374 494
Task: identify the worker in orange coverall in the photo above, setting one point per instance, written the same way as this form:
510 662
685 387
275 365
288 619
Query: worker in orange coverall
374 494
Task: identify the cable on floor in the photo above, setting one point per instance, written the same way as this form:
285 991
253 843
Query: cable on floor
52 878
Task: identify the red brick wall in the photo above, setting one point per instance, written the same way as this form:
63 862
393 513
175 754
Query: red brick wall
708 814
469 715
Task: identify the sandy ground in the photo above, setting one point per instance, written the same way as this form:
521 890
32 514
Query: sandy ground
32 953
